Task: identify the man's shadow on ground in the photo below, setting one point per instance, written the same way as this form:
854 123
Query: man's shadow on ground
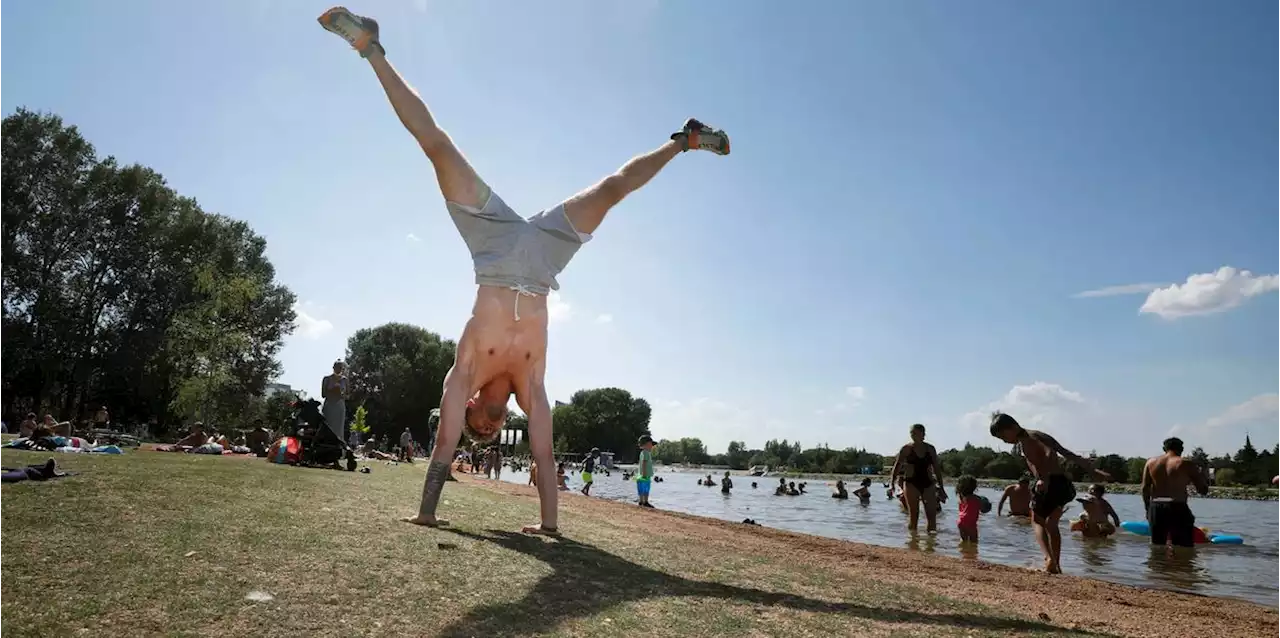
587 580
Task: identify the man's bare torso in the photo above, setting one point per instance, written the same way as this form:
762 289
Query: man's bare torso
1169 476
495 344
1019 499
1042 460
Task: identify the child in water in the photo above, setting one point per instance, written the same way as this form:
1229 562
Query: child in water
1093 521
970 507
840 493
560 478
864 493
726 484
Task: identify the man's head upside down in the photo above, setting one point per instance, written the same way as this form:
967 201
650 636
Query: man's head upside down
487 411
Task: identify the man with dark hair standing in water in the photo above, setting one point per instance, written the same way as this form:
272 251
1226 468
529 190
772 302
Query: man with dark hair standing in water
1164 495
503 347
1053 489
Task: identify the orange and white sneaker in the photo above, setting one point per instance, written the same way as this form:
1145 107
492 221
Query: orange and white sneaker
698 136
360 32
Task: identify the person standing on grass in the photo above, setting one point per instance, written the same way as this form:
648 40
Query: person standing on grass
917 464
333 388
494 462
1164 495
589 469
1053 489
406 446
644 470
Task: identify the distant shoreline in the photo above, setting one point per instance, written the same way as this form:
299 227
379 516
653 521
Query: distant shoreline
1215 492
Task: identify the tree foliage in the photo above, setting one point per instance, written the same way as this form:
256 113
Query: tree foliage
118 291
397 374
608 418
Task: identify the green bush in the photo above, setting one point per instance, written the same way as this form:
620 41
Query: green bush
1225 477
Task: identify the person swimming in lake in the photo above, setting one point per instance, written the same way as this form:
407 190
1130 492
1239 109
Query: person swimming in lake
840 493
791 489
1053 489
726 484
1093 520
864 492
781 490
970 507
1019 497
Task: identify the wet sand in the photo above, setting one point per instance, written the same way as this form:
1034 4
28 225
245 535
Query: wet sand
1063 600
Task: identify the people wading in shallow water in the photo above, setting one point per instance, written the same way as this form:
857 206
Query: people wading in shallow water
917 464
1019 497
1053 489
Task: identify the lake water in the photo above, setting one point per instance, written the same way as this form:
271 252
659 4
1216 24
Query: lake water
1246 571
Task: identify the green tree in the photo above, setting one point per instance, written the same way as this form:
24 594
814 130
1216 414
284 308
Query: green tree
737 455
608 418
1134 468
1199 457
397 372
1226 477
1005 466
118 291
1245 464
1117 467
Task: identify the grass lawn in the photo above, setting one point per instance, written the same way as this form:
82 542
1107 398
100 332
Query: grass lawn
156 543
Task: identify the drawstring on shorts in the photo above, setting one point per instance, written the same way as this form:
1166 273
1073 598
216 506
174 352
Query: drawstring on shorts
521 290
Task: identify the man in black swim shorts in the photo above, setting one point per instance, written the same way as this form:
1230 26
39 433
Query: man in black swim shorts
1053 487
1164 493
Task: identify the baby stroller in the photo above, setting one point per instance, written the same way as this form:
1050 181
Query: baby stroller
321 447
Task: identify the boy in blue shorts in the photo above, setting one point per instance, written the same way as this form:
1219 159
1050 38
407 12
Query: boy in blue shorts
644 474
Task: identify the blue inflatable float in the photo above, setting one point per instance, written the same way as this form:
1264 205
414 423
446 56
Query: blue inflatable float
1142 528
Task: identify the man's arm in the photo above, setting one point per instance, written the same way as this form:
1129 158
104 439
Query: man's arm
1197 478
1003 497
1082 462
1111 512
324 386
1146 487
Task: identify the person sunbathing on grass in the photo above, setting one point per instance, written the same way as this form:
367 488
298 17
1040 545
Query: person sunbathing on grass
503 347
194 439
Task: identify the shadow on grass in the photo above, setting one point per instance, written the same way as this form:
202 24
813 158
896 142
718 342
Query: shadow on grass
588 580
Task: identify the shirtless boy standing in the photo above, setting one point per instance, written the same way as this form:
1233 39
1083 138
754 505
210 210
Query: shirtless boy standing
1054 488
1164 494
503 346
1019 497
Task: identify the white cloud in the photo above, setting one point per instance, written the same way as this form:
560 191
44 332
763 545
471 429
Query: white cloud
604 318
1039 404
412 237
308 326
1115 291
1264 408
856 394
557 308
1208 293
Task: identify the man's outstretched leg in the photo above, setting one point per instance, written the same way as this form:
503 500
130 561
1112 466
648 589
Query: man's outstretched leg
587 209
459 183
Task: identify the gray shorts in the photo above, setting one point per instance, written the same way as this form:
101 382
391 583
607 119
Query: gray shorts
513 252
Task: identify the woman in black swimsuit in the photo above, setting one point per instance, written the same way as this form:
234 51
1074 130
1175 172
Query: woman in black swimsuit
918 464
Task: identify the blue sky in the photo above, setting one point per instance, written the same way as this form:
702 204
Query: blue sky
917 196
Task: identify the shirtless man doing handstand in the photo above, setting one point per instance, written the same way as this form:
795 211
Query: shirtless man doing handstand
503 346
1053 489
